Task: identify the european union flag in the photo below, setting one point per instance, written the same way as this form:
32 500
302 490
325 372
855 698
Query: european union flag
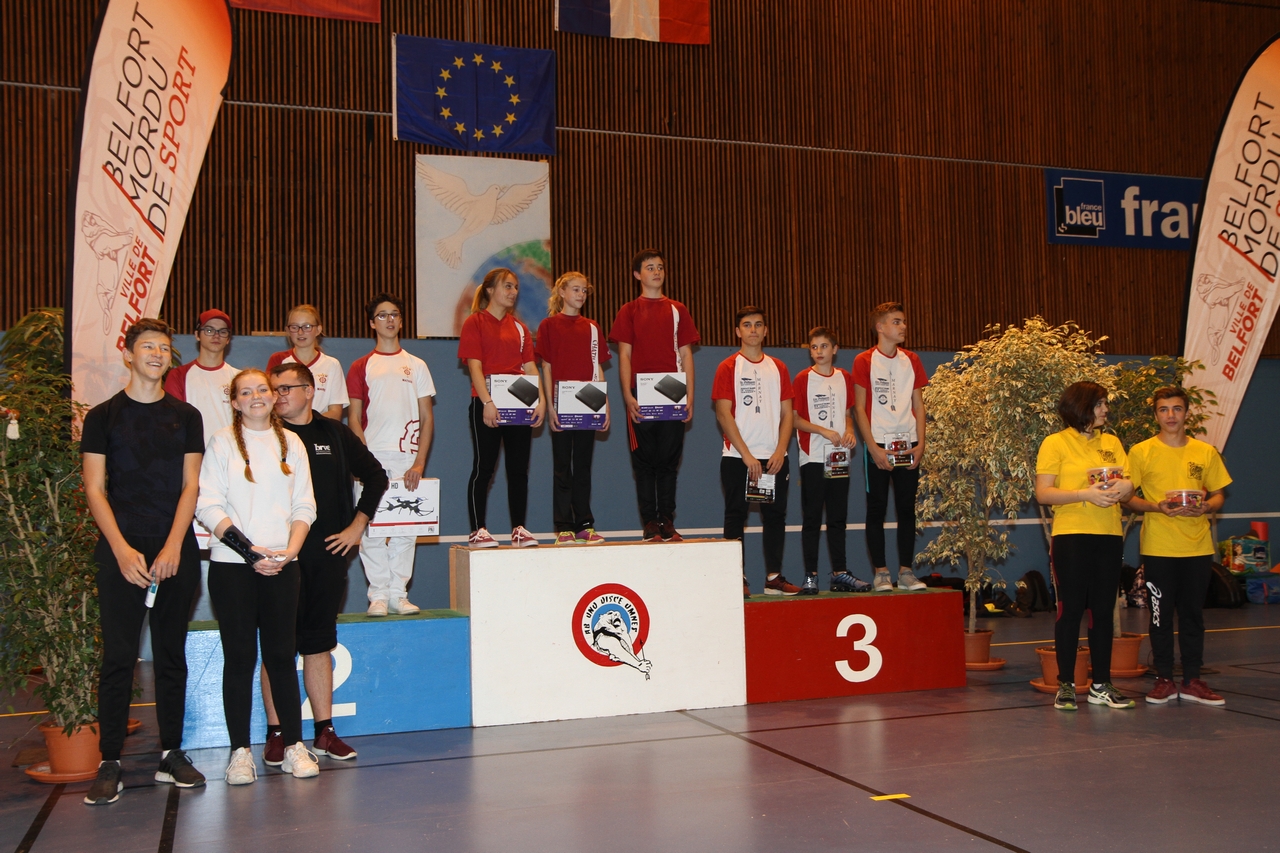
477 97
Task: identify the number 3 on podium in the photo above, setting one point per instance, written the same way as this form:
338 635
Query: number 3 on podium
864 645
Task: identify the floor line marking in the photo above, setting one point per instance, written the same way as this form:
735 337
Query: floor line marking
170 826
1251 714
33 832
33 713
1206 630
853 783
884 797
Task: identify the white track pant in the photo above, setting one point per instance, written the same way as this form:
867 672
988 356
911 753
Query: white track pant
388 561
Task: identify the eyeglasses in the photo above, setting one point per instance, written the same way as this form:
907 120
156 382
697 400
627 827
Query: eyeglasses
384 316
283 390
305 328
214 333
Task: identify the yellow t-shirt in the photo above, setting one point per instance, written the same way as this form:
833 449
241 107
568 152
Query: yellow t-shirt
1068 456
1157 468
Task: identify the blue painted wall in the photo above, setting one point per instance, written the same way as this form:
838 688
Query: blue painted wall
1251 455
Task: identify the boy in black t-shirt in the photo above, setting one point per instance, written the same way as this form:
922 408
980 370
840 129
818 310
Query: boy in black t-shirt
142 451
335 456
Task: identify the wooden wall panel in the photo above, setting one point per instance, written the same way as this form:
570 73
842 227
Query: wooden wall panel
819 157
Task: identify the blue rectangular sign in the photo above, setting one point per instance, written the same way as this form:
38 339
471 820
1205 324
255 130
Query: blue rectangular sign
401 675
1118 209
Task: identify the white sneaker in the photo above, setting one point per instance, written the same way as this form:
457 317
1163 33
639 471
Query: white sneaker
907 580
403 607
376 608
243 769
881 582
300 761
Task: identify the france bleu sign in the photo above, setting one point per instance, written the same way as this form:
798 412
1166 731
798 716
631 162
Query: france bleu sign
1117 209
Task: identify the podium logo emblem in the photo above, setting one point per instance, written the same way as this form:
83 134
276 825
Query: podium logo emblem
611 626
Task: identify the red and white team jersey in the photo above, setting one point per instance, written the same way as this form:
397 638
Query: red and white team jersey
890 383
206 388
388 386
823 401
331 384
757 390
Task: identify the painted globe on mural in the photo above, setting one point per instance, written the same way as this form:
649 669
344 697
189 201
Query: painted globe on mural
531 262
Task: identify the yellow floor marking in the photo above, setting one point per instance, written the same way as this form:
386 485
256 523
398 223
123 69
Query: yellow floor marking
33 713
893 797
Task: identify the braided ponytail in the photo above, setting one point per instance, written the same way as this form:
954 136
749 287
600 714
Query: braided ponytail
277 426
238 425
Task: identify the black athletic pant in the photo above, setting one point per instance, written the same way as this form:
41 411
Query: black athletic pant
571 452
486 441
816 494
1087 569
1177 584
904 480
655 462
733 479
122 607
250 608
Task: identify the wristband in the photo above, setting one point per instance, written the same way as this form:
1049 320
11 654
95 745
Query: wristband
238 542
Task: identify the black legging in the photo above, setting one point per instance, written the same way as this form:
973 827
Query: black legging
1177 584
817 493
571 452
733 480
1087 569
485 444
905 481
252 607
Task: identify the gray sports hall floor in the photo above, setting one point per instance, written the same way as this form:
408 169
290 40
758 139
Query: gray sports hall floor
988 767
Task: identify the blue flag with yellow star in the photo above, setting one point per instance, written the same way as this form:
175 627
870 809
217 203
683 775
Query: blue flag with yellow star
477 97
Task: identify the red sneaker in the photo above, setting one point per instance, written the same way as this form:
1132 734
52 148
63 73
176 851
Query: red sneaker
1197 691
667 531
273 752
778 585
333 746
650 533
1164 690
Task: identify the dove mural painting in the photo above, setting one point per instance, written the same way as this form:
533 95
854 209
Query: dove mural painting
469 210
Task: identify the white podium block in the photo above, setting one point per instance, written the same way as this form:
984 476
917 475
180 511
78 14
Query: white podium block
564 632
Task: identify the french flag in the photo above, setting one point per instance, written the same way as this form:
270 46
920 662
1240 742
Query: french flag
677 21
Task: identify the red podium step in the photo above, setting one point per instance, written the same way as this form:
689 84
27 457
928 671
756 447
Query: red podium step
809 647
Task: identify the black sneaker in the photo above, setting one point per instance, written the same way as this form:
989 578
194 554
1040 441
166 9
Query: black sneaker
107 786
845 582
810 585
176 769
651 532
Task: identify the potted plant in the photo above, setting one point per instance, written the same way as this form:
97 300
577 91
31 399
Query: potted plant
1132 420
48 596
988 410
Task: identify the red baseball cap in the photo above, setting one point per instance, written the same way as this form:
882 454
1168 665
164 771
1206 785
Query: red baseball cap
214 314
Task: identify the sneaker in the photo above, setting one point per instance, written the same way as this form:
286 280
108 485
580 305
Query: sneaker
376 608
333 746
845 582
481 539
778 585
881 582
746 587
176 769
242 770
810 585
1164 690
589 537
403 607
651 532
1197 691
1066 698
273 751
566 537
667 530
521 538
907 580
106 786
1109 696
300 761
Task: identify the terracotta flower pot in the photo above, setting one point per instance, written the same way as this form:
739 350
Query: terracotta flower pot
977 647
1124 656
1049 665
76 755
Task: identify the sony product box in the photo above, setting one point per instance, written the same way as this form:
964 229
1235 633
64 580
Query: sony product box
581 405
405 513
662 396
516 396
1244 555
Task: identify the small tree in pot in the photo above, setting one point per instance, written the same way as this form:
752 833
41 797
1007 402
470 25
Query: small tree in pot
989 408
48 596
